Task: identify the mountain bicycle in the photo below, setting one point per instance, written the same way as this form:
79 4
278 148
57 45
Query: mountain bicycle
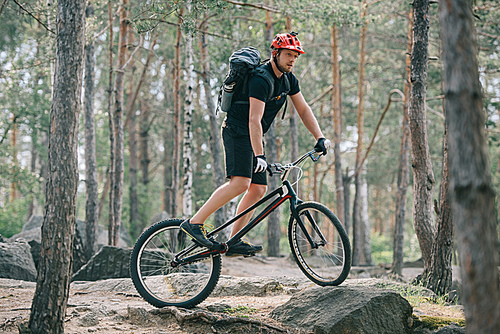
170 269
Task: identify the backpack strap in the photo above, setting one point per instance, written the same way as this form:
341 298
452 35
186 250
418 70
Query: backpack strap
287 89
269 77
264 73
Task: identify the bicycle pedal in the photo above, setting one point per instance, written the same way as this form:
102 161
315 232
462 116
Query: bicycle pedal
221 247
249 255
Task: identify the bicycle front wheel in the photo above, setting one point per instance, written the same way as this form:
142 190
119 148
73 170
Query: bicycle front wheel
158 280
320 247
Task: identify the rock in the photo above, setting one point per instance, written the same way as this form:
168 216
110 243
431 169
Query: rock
6 283
102 235
33 223
259 286
139 316
32 231
123 285
402 288
78 253
16 261
88 320
414 264
452 329
346 310
2 239
109 262
455 292
218 307
368 271
244 286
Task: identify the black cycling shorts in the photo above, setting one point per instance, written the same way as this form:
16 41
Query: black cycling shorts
239 157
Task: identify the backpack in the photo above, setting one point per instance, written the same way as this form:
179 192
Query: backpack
243 64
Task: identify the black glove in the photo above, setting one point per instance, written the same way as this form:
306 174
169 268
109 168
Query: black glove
261 164
322 145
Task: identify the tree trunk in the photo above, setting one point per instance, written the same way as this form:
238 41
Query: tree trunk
471 192
54 272
438 276
294 129
131 125
91 191
34 156
337 121
167 174
215 147
346 181
358 237
187 203
144 133
273 226
177 120
404 165
118 121
14 192
423 176
366 257
111 172
137 224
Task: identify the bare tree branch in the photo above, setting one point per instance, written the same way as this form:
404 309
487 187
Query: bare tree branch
258 6
435 112
322 95
376 129
33 16
8 128
1 8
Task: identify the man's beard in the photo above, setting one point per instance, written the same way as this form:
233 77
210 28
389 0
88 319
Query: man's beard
282 69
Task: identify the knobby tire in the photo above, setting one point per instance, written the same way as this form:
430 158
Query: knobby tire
327 264
161 284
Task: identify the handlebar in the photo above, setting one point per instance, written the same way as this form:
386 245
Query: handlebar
278 168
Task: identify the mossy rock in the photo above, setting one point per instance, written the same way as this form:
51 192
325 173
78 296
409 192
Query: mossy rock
434 323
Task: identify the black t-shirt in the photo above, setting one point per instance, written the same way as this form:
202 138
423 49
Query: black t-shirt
258 88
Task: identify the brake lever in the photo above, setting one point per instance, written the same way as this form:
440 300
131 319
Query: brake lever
313 158
270 171
279 169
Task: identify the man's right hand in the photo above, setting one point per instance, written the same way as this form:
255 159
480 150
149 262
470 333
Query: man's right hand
322 145
261 164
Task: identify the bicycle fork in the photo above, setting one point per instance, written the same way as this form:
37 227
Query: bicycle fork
295 215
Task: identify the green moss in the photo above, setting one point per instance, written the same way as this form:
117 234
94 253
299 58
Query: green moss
434 323
240 311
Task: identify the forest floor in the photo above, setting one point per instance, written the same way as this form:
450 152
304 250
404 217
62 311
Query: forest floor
118 310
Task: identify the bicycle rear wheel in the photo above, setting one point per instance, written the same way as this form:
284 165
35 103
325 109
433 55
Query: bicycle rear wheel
328 260
162 284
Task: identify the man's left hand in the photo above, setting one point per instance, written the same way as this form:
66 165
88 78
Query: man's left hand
322 145
261 164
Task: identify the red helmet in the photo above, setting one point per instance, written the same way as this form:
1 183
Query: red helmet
287 41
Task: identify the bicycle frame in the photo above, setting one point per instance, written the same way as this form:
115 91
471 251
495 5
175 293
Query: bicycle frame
284 192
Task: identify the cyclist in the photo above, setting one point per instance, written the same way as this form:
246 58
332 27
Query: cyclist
242 133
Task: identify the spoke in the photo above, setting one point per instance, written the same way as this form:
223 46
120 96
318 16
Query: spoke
151 272
155 254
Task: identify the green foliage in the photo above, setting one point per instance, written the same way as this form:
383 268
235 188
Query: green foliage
382 247
13 216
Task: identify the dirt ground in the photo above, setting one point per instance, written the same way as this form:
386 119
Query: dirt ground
125 311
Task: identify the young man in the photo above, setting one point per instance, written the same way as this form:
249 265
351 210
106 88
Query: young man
242 133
